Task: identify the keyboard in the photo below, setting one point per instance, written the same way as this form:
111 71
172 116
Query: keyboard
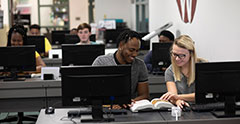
115 111
25 76
2 77
19 76
78 113
219 106
155 110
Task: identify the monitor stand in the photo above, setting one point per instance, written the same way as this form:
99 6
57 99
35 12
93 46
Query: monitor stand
97 113
229 108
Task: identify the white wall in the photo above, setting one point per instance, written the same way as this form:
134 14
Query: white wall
114 9
3 32
133 17
34 11
215 28
78 9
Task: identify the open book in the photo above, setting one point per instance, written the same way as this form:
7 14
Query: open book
155 104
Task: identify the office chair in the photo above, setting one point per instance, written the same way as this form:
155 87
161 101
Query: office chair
20 118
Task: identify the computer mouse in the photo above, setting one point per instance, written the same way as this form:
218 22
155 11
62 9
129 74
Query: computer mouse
49 110
186 109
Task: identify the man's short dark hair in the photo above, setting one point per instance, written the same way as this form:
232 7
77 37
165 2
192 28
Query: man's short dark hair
84 25
126 35
35 26
74 29
167 34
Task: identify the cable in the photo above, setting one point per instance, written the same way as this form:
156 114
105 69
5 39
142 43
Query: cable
68 119
176 113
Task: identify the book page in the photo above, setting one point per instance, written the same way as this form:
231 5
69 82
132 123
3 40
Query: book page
141 104
158 104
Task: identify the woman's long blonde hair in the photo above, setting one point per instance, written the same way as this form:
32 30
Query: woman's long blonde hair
184 41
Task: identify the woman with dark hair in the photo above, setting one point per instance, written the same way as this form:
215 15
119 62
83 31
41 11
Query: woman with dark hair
17 37
19 30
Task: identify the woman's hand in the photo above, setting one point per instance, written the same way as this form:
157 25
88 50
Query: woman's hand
169 96
181 103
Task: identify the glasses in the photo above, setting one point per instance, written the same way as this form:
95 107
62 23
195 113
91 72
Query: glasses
180 56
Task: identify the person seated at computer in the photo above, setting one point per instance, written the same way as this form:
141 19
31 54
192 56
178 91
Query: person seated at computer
164 37
84 32
73 31
35 30
17 37
180 75
128 48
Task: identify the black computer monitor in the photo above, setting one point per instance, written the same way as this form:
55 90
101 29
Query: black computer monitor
110 37
161 56
58 37
81 54
17 59
92 37
38 41
96 86
71 39
218 82
145 45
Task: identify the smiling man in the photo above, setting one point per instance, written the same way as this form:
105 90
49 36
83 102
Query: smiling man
128 47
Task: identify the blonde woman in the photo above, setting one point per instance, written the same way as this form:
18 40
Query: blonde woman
180 75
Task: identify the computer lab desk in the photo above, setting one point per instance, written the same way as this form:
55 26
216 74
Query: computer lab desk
142 118
34 94
57 62
129 118
198 118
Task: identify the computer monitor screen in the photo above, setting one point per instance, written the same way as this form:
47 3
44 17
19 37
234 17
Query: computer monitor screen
71 39
96 86
161 55
218 82
81 54
58 37
92 37
17 59
110 37
38 41
145 45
